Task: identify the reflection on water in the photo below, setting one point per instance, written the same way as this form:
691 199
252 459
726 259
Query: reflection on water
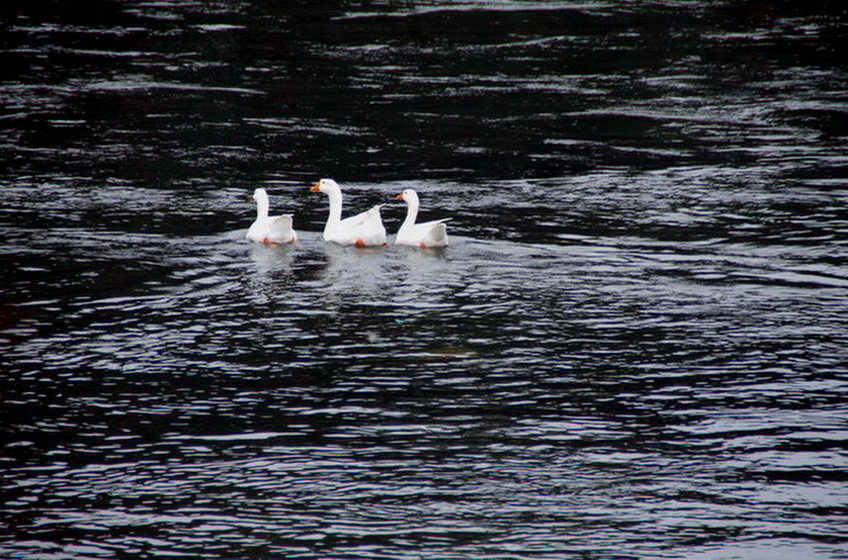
634 346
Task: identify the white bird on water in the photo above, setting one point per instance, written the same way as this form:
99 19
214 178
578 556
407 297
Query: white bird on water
363 230
270 230
426 234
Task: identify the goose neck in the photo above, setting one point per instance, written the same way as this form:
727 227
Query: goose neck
335 208
411 212
262 206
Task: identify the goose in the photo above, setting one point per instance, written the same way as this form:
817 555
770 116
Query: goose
269 230
363 230
424 235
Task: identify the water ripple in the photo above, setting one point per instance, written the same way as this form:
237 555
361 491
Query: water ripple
633 348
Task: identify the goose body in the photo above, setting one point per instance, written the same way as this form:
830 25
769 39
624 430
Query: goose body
363 230
269 229
425 234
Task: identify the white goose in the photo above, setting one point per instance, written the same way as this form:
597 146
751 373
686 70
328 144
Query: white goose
363 230
269 229
424 235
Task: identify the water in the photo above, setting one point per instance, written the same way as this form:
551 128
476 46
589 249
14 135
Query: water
635 346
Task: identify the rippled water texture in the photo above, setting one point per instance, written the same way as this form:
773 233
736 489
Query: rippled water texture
635 346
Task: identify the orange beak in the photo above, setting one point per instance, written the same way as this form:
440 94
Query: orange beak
399 197
315 188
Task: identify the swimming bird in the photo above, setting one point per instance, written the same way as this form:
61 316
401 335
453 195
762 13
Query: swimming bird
363 230
270 230
425 234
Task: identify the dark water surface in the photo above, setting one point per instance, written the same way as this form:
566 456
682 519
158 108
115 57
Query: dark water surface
636 346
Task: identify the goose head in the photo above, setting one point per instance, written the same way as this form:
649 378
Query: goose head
260 194
409 196
326 186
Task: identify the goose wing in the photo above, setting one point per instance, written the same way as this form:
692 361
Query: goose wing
371 216
280 228
425 234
